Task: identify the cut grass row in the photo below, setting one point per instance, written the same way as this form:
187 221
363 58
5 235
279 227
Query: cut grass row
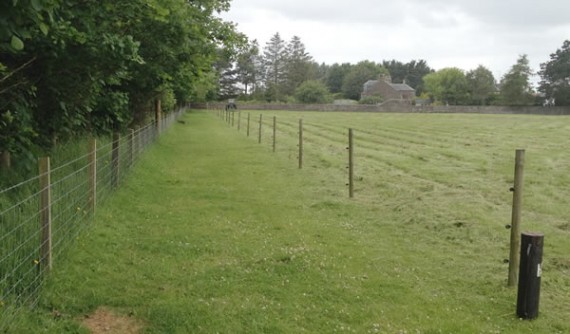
214 233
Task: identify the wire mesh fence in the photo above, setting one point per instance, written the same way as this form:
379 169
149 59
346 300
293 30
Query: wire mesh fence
42 216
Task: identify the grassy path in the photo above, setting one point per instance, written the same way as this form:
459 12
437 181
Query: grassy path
213 233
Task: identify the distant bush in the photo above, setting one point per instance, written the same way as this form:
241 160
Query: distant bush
312 91
371 99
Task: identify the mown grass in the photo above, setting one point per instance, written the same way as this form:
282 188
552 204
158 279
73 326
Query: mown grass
214 233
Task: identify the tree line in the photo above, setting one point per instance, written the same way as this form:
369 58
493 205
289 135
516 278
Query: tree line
284 71
69 67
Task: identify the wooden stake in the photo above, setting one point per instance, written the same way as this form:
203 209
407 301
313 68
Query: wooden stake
157 114
5 160
300 143
92 174
514 257
115 160
45 214
350 164
131 147
274 131
260 125
137 140
248 117
239 120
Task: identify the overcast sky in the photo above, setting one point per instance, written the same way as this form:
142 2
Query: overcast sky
446 33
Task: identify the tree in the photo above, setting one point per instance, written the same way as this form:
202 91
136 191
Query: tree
297 67
360 73
97 66
227 74
335 76
417 70
398 70
312 91
447 85
20 23
248 66
515 88
555 75
274 64
481 84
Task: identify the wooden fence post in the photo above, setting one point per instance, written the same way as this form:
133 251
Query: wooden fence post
115 160
5 160
517 190
248 117
350 163
260 124
45 214
157 114
92 174
137 140
239 120
274 132
131 147
300 143
233 117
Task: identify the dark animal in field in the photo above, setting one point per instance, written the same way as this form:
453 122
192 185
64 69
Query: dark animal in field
231 106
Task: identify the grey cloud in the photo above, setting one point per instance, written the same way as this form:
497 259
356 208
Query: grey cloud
523 14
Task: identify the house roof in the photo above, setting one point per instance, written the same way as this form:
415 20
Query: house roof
397 87
401 87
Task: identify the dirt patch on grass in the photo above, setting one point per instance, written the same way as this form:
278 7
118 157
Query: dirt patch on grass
105 321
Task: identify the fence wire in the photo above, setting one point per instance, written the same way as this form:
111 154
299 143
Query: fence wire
23 264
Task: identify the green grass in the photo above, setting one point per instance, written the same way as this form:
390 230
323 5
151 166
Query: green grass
214 233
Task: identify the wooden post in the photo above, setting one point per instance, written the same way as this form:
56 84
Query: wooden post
300 143
157 114
5 160
248 117
131 147
45 214
274 132
239 120
260 124
137 140
233 117
350 163
92 174
529 275
517 190
115 160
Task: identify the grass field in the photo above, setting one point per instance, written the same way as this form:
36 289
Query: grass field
214 233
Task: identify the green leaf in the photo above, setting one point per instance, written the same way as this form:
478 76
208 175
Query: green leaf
16 43
37 5
44 28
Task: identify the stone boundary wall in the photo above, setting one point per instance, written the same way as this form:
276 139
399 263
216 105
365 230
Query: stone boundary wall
401 108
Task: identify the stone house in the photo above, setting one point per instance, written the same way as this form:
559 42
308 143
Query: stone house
387 90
